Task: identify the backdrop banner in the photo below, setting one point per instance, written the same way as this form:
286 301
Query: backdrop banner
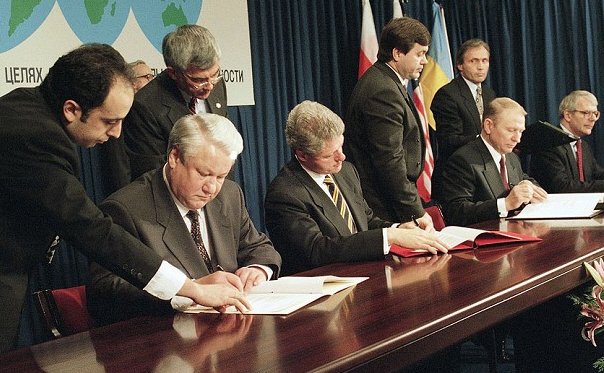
33 34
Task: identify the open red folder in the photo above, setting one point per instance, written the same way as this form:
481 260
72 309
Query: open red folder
462 238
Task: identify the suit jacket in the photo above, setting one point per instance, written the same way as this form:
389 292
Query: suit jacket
146 209
556 170
385 143
472 184
307 228
457 119
41 197
157 106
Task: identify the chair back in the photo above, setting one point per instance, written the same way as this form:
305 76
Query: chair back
64 310
437 217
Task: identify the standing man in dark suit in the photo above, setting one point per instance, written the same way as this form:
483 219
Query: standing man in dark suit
384 139
484 179
191 83
303 219
166 207
557 169
458 105
82 101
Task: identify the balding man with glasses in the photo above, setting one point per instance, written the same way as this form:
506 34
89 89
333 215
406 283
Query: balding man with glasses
572 168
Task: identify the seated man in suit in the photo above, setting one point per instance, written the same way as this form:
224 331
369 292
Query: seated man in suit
484 179
188 213
561 169
458 106
301 214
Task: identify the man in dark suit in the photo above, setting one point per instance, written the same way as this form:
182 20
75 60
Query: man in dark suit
456 106
157 209
301 216
192 58
384 139
557 169
476 186
82 101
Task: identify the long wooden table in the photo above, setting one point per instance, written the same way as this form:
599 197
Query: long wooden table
406 310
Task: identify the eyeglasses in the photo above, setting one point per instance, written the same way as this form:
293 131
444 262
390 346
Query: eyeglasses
587 114
149 77
202 82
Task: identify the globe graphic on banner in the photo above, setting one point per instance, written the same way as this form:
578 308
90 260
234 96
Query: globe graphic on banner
19 19
158 18
96 21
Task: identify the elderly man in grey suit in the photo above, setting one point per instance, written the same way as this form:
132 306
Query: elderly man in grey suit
484 179
308 225
188 213
384 138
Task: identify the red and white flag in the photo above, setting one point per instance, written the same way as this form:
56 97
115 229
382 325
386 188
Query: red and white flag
424 182
369 42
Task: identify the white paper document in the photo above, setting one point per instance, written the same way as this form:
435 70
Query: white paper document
454 235
288 294
562 206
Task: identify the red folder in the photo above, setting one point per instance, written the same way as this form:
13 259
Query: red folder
480 240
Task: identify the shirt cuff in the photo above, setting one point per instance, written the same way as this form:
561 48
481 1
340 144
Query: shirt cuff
501 208
385 245
267 270
166 282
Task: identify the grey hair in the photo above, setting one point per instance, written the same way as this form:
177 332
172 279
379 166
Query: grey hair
309 125
192 132
569 103
190 45
136 63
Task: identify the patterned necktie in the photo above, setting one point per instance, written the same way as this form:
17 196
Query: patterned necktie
580 161
479 104
338 200
193 105
196 235
503 173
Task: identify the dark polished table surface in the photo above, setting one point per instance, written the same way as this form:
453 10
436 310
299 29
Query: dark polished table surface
406 310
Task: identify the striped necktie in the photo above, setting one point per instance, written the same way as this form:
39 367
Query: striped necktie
193 105
338 200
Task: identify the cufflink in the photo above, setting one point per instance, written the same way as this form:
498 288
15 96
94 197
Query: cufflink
218 105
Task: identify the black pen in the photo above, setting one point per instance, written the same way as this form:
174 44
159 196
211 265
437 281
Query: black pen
415 221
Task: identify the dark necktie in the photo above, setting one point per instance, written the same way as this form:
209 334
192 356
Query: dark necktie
503 173
196 235
338 200
193 105
580 161
479 104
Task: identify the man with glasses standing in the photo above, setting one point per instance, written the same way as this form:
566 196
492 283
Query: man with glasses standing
191 83
142 74
572 168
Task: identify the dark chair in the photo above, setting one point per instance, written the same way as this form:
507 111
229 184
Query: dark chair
64 310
